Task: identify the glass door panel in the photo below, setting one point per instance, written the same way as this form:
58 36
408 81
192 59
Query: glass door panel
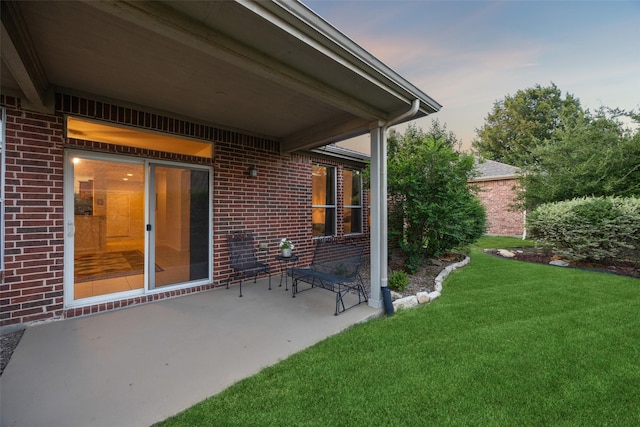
180 240
108 253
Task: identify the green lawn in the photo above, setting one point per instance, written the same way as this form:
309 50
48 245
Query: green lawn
499 242
508 343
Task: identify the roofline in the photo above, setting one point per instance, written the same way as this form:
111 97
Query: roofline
342 153
332 42
494 178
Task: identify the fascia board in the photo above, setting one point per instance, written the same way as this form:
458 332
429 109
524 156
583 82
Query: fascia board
340 153
495 178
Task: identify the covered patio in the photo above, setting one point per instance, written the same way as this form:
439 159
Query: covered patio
272 70
266 83
140 365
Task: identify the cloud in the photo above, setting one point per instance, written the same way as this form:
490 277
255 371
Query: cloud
454 76
468 54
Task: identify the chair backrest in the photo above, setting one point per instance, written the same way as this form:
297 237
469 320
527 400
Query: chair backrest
337 258
242 251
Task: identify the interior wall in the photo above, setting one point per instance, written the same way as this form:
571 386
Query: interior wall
124 208
174 213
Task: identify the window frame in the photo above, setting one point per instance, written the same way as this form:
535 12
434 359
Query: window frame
353 207
3 121
334 206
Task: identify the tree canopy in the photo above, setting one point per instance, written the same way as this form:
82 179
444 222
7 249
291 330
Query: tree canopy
520 123
594 156
563 150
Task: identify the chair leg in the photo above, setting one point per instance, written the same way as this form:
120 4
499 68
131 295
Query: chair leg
241 287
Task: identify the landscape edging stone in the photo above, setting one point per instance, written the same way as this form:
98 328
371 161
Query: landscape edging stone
400 302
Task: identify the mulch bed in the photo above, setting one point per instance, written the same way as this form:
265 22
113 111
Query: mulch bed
422 281
8 343
620 267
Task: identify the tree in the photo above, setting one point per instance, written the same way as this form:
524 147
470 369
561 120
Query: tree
520 123
594 156
432 209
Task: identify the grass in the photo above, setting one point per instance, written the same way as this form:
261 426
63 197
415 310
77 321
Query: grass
508 343
499 242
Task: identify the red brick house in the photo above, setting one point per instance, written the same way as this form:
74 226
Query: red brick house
141 134
498 184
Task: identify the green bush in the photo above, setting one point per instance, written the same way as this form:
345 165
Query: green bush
432 210
399 281
592 228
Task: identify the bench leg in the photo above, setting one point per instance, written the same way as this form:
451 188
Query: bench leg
339 300
362 292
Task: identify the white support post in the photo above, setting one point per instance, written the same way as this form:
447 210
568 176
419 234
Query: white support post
378 204
379 220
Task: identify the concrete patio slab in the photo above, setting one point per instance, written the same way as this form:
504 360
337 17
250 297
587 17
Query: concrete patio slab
140 365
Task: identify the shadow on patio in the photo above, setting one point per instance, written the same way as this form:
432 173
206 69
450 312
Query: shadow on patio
139 365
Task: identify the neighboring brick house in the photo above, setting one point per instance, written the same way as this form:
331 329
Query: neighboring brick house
142 133
498 184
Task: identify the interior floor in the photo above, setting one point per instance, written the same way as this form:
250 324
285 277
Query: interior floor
172 268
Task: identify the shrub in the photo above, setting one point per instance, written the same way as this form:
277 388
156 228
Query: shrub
399 281
593 228
432 210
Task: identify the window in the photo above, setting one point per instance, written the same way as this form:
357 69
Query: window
132 137
323 200
3 120
352 204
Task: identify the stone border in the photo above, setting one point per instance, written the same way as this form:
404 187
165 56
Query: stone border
400 302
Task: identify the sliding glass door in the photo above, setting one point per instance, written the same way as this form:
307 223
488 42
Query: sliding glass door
133 226
180 238
108 226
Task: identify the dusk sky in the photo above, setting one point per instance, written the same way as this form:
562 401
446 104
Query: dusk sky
468 54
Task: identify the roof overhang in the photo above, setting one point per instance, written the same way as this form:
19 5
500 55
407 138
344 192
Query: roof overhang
346 154
494 178
273 69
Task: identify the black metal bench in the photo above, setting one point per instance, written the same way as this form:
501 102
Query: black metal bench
336 267
244 258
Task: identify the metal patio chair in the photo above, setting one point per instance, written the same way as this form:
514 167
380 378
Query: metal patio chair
244 258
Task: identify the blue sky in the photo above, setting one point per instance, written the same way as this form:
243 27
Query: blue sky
469 54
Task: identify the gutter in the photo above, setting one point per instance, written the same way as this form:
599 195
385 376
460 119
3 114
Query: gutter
342 153
494 178
308 25
415 105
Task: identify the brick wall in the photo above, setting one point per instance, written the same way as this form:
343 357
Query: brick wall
32 287
498 196
275 204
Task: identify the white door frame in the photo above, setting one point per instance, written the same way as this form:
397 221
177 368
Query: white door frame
149 218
